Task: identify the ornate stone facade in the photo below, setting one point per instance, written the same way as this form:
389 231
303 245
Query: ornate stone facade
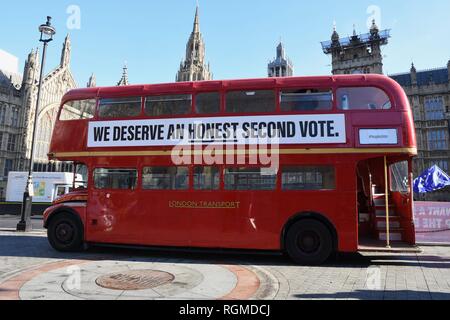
429 95
11 117
281 66
358 53
194 68
428 92
18 95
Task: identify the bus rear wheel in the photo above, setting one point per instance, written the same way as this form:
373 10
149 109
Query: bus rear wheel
65 233
309 242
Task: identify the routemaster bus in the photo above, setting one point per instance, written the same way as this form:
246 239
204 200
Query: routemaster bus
309 166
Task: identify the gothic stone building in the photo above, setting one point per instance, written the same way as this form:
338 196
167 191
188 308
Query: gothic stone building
194 68
429 95
281 66
18 95
428 92
358 53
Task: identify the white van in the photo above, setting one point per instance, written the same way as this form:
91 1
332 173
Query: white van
47 186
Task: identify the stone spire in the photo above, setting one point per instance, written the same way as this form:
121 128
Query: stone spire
31 70
65 54
334 35
374 28
448 70
196 22
124 80
92 82
354 38
193 67
281 66
413 72
280 51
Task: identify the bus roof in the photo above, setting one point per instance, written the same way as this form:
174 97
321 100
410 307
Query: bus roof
380 81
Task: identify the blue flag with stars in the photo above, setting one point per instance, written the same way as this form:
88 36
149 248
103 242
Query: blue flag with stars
431 180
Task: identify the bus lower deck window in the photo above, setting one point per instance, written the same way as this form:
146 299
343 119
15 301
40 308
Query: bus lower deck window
308 178
207 103
249 179
121 179
363 98
168 105
78 110
165 178
206 178
306 100
251 101
120 107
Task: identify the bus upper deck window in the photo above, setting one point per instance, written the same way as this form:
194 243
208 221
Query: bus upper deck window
207 103
251 101
168 105
78 110
306 100
362 98
120 107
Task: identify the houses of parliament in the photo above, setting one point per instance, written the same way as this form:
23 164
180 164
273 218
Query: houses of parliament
428 92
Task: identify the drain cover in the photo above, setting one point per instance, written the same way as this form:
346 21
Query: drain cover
135 280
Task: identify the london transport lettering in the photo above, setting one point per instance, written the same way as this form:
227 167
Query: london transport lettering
295 129
204 204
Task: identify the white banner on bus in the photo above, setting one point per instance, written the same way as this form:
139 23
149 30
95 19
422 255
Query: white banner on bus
293 129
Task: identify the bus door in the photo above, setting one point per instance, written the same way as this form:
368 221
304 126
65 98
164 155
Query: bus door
400 185
364 196
371 198
389 202
112 201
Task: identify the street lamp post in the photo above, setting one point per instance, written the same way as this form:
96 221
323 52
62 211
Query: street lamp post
47 33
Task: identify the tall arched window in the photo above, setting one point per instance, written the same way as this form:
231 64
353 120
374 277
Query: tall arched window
44 134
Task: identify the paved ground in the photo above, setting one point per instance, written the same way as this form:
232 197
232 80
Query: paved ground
9 222
30 269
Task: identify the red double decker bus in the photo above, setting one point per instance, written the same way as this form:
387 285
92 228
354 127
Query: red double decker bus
308 166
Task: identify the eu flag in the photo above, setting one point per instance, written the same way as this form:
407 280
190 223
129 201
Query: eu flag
431 180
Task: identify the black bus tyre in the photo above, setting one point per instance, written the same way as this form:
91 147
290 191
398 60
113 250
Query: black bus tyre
65 233
309 242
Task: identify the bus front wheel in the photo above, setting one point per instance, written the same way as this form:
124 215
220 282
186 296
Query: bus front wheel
65 233
309 242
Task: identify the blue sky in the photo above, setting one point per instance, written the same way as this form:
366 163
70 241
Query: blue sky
240 35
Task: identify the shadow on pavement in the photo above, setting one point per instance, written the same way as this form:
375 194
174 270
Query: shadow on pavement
378 295
38 247
30 246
